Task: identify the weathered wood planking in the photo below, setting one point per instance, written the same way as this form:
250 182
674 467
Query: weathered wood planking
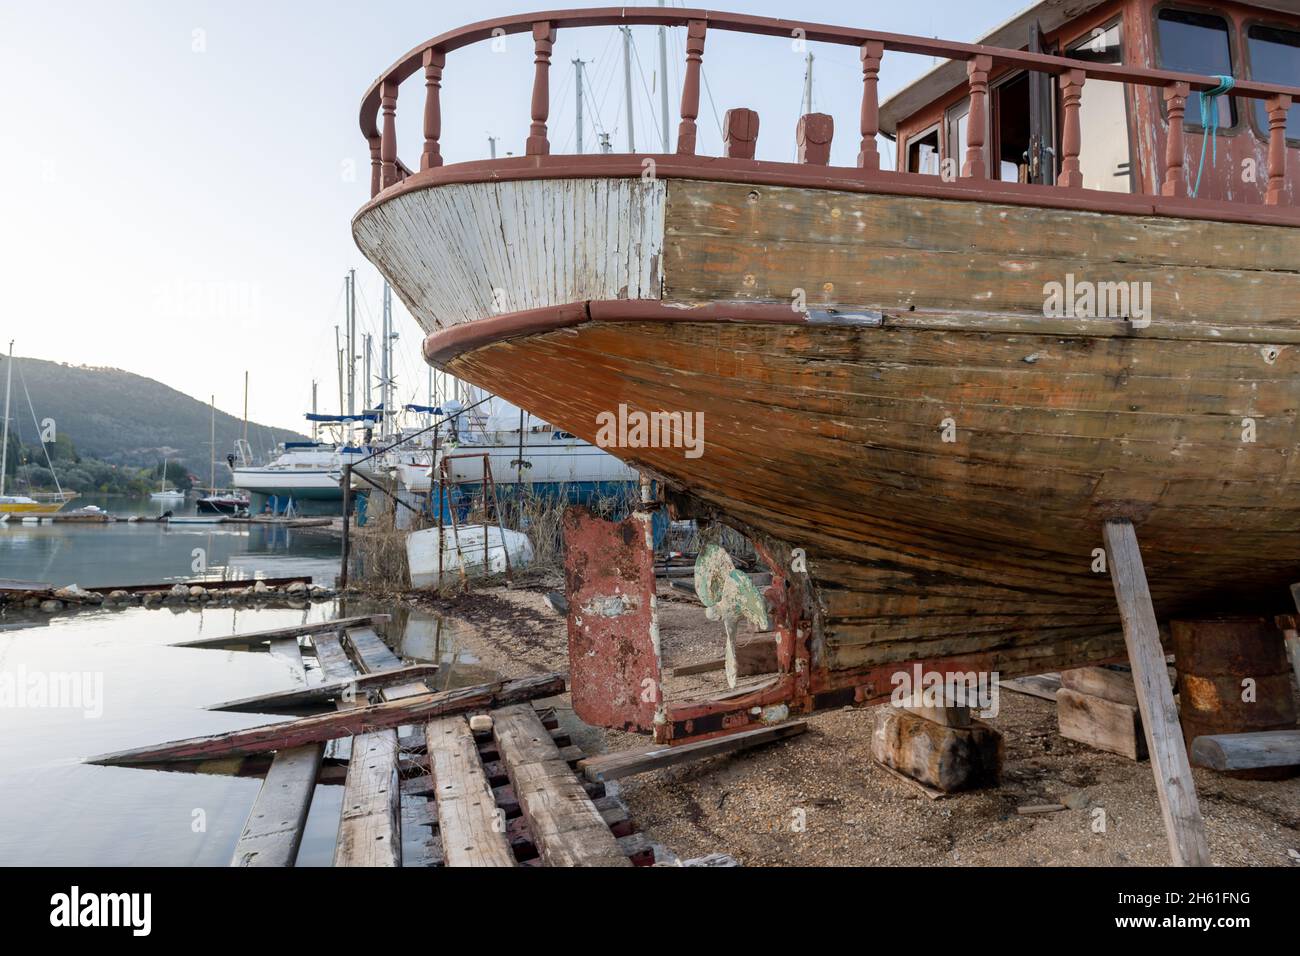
297 630
1266 748
471 250
566 826
320 694
1100 723
735 242
626 763
370 830
273 832
471 831
1174 787
356 720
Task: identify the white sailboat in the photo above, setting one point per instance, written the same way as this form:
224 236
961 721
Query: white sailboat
164 493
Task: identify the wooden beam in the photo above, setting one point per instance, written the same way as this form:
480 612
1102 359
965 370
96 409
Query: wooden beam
565 825
472 832
298 630
1100 723
306 697
1266 748
370 827
1178 804
754 656
1045 686
360 720
625 763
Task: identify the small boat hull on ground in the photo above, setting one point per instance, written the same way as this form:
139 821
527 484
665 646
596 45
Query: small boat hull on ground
463 549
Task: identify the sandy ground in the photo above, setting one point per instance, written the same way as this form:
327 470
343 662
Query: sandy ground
819 799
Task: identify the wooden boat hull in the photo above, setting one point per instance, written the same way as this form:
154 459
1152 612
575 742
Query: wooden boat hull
881 388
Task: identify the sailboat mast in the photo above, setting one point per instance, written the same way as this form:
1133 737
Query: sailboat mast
663 82
627 87
245 406
386 359
4 448
212 448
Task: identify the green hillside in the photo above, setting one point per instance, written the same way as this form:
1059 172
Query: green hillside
123 418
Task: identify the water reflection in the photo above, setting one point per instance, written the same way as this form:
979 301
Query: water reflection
55 810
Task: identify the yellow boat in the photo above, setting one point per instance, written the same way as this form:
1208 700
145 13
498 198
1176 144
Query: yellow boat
41 504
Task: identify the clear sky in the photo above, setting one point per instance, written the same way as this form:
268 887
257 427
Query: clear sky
177 177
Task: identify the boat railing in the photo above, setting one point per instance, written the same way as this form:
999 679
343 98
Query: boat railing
379 107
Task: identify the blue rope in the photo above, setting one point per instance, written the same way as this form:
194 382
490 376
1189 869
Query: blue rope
1210 123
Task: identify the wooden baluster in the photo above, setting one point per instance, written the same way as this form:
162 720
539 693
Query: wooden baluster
739 133
1071 137
1175 183
977 69
691 87
434 61
375 174
388 145
1277 111
868 154
543 43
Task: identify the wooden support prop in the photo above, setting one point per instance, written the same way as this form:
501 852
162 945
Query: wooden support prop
566 827
695 32
1071 137
813 136
626 763
543 42
977 69
359 720
1178 804
945 758
739 133
1277 107
1175 183
469 825
1100 723
298 630
322 694
1267 748
868 153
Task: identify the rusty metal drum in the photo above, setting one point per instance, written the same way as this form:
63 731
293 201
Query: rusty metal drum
1233 678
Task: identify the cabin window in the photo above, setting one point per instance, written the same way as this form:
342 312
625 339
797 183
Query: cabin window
1193 42
1104 155
923 153
956 134
1275 58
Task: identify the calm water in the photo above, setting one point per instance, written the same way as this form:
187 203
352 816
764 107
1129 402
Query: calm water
100 555
54 809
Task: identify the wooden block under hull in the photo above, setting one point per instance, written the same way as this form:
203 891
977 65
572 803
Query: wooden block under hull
1100 723
946 758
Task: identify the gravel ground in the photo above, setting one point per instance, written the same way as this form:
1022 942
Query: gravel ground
819 799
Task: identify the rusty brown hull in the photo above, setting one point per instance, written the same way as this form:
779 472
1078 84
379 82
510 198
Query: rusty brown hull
831 440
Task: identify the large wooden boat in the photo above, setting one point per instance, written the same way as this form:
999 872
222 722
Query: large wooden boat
888 388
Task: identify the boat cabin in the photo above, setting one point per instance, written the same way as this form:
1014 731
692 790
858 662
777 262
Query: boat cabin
1123 127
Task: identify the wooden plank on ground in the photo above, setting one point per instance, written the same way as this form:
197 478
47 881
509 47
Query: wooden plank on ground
1266 748
370 827
625 763
273 832
298 630
358 720
756 655
469 825
358 684
565 825
1178 804
1036 685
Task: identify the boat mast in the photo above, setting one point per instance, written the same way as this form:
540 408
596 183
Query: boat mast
577 89
386 362
315 426
352 340
212 447
627 87
807 84
245 408
663 81
4 448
